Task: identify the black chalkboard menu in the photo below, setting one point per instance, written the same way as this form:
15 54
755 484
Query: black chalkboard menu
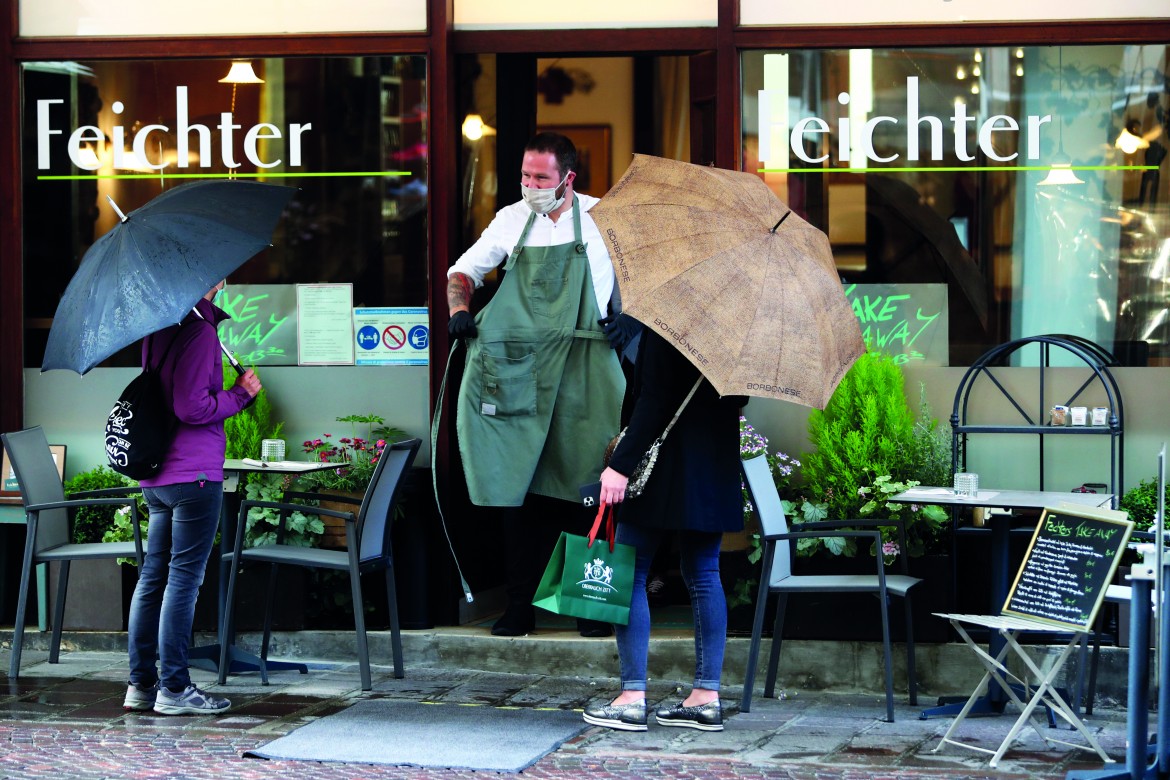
1068 565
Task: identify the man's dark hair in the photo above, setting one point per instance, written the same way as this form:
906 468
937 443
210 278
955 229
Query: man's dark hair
557 145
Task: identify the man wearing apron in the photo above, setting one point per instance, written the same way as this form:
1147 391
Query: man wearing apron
542 389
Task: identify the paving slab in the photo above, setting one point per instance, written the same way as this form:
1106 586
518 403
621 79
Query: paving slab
65 720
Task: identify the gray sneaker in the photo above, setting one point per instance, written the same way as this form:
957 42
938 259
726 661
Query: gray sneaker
624 717
139 699
191 701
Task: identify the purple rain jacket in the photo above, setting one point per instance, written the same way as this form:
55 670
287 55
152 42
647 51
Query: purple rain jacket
193 378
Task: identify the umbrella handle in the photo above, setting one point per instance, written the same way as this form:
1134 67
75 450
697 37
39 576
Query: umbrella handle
240 370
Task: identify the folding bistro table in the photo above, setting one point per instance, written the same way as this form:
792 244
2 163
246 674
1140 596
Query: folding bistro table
1000 530
1059 589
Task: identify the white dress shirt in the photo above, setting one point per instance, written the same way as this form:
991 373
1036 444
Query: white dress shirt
500 237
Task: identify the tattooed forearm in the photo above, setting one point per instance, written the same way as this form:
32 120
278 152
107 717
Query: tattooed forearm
459 288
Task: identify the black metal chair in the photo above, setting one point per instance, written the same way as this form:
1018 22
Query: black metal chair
368 548
777 577
49 532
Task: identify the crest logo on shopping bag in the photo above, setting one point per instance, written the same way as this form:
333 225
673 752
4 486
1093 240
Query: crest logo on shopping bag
598 577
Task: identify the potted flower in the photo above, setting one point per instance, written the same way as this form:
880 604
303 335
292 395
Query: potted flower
356 457
925 523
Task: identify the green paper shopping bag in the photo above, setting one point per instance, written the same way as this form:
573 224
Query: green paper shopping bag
588 580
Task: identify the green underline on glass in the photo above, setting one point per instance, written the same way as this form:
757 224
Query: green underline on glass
280 175
957 168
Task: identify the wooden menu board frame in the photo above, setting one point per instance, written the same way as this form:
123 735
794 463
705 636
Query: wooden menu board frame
1068 566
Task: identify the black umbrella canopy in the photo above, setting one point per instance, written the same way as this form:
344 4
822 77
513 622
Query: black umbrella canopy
150 269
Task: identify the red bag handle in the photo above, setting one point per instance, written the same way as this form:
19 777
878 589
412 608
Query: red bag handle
604 515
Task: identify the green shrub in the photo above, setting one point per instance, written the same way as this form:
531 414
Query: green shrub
90 523
928 457
1141 503
866 431
251 426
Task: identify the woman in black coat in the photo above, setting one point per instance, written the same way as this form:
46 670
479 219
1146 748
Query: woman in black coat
695 491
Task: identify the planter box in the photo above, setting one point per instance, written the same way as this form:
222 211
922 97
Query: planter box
94 598
288 614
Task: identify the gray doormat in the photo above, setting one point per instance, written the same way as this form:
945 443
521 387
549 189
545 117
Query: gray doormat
409 733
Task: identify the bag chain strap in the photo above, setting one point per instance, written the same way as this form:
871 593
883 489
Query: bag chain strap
678 414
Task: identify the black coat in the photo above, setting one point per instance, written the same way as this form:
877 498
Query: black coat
695 484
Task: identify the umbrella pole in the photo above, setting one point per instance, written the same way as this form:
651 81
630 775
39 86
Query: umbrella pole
240 370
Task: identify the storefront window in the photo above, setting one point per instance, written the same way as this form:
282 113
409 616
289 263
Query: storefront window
1029 182
350 133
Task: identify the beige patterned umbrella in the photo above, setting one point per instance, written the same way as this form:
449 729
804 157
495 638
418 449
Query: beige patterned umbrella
746 289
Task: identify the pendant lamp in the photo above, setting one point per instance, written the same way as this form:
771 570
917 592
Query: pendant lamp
1060 170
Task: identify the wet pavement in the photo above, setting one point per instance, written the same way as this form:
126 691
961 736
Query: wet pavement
66 720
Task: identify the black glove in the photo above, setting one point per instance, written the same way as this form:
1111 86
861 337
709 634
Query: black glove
462 326
620 330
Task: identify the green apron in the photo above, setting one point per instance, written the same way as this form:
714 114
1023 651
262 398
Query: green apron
542 389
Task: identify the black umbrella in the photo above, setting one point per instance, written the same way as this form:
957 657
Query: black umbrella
154 266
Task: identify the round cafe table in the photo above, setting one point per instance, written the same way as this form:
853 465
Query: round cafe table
207 656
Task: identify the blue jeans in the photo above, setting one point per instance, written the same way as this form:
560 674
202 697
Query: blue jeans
183 521
700 570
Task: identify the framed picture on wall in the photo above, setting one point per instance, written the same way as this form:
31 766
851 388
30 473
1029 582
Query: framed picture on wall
593 154
8 484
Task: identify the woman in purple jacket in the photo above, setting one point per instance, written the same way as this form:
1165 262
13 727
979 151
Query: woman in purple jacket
184 500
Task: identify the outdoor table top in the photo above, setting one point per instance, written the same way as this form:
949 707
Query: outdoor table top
1005 499
277 466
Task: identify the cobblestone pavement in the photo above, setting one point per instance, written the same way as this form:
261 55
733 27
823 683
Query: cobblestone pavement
65 721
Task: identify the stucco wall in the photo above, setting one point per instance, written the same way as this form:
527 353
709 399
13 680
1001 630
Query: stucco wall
73 409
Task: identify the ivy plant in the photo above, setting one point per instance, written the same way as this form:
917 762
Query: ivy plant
300 530
121 530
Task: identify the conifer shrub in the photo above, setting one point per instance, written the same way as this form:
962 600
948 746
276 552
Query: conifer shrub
865 431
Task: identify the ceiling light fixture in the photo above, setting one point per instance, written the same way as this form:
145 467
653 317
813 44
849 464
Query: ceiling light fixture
1129 141
1061 171
239 73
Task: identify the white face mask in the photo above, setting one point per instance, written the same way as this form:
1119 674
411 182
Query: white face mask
544 201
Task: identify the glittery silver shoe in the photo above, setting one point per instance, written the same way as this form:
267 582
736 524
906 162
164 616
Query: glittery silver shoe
705 717
625 717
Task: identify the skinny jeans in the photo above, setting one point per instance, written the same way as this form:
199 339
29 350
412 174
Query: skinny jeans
183 521
700 570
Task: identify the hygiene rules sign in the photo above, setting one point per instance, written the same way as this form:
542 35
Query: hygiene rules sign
391 336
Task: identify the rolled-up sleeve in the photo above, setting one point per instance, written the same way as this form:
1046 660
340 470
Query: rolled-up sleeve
490 250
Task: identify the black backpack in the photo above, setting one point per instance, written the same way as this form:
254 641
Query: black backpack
142 423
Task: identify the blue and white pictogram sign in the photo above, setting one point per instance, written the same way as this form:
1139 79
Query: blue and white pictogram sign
392 336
